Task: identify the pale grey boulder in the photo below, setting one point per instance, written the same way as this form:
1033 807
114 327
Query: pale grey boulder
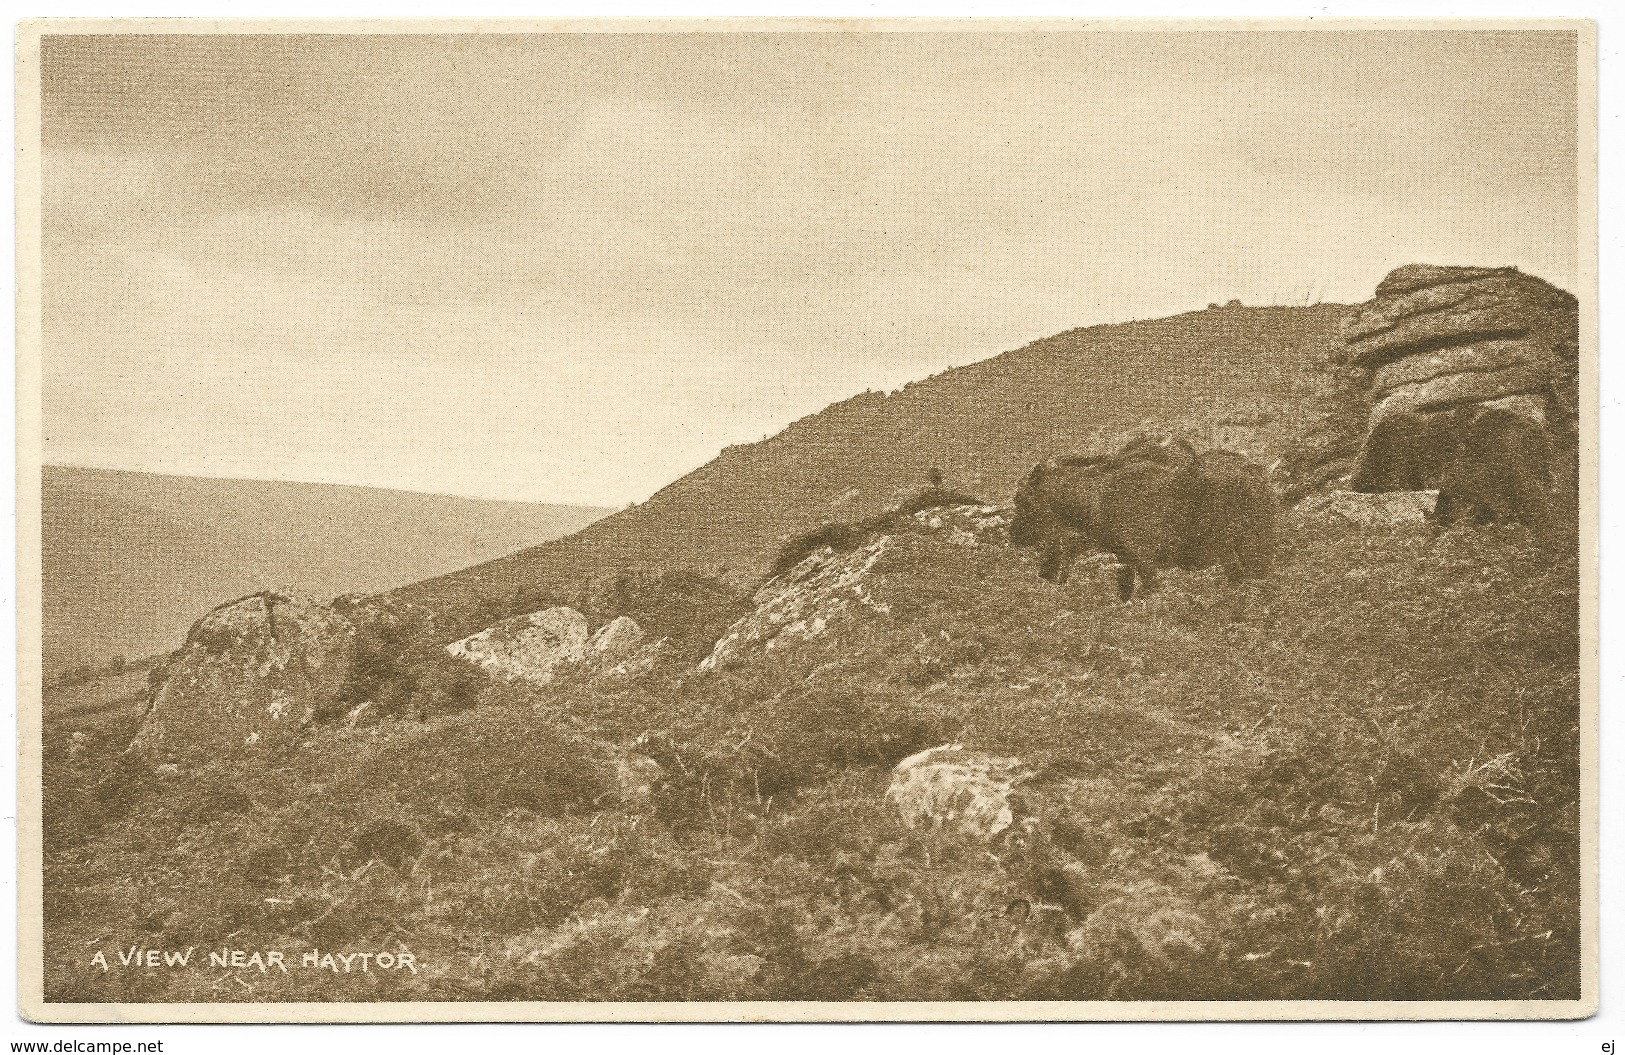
1386 509
527 647
955 790
258 670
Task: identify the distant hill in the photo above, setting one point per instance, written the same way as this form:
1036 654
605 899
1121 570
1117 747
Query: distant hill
1233 375
131 559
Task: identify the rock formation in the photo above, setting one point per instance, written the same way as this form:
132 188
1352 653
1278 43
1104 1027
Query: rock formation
254 671
1453 369
1437 337
1398 507
801 603
527 647
617 638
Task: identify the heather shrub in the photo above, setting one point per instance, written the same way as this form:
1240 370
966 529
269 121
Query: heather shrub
1362 785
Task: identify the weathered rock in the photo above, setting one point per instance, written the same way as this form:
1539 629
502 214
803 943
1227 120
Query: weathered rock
1387 508
801 603
616 638
966 525
1418 276
1445 329
1430 352
1422 309
527 647
254 671
949 788
834 574
1467 290
1471 386
641 660
1467 358
1525 405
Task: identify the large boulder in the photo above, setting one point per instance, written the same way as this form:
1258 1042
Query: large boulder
1437 337
527 647
257 670
826 573
802 603
1468 383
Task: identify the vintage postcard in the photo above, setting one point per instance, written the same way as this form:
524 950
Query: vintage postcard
797 519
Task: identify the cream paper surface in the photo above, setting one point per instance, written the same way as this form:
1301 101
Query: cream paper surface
80 388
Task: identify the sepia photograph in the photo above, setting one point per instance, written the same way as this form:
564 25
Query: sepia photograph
797 519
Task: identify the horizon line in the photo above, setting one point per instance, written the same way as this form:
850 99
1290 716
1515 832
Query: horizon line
329 483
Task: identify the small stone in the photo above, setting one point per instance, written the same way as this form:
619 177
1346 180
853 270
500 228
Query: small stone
950 788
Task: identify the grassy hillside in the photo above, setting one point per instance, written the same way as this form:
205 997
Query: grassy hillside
1359 782
1366 787
131 559
1238 375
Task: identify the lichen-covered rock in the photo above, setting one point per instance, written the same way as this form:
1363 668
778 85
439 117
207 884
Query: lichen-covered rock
255 671
803 602
834 574
966 525
641 660
949 788
616 639
527 647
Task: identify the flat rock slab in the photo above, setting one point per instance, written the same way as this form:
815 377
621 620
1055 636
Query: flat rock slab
1390 507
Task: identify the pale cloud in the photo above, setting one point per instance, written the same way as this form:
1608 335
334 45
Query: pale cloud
572 268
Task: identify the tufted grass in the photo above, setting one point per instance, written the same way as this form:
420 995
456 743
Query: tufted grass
1362 784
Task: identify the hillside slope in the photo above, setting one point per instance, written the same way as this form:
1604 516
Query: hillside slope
1237 375
131 559
1362 783
1359 780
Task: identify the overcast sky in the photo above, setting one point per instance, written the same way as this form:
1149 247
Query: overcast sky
571 268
